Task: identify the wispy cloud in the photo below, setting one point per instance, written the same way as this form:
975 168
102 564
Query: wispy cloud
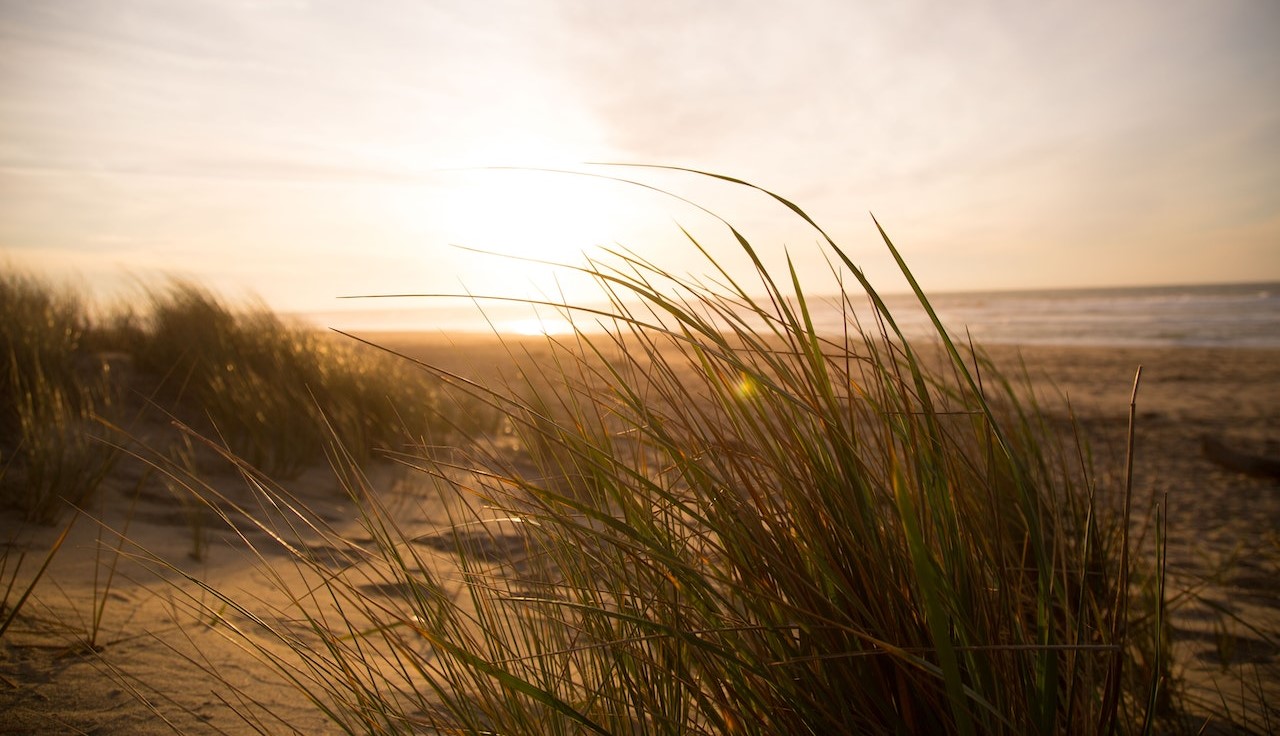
1025 133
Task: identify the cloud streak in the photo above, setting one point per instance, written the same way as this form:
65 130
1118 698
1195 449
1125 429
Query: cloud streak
1030 136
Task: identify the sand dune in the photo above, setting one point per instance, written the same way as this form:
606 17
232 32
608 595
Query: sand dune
149 669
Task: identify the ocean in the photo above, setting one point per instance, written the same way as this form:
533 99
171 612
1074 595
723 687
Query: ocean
1233 315
1227 315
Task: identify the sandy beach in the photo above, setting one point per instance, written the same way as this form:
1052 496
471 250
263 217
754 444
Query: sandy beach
134 654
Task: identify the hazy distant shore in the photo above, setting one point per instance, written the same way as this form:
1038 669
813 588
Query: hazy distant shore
1204 315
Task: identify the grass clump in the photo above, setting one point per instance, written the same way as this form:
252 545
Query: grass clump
720 521
276 393
52 397
74 390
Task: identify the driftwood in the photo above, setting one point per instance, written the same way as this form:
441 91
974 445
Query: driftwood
1242 462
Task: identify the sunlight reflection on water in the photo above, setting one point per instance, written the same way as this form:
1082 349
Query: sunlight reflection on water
1217 315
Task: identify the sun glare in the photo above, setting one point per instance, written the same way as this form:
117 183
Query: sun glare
536 326
512 228
519 233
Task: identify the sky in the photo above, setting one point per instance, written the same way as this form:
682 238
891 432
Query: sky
302 150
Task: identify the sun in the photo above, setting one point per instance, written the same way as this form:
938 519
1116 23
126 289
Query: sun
508 231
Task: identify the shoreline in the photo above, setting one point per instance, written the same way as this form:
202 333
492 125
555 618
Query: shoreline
1224 315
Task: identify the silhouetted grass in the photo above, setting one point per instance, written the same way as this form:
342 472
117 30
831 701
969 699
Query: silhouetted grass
51 395
274 392
278 395
720 521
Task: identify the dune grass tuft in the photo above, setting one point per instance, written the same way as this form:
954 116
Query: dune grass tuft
270 389
52 395
717 520
74 390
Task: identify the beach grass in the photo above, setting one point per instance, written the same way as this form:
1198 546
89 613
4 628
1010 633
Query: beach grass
712 519
271 391
77 392
53 446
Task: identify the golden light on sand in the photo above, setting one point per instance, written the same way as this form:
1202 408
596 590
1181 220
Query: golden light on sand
536 326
